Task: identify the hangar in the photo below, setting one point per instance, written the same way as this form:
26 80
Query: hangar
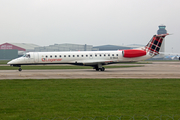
14 50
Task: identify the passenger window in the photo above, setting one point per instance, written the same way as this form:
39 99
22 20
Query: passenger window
82 55
77 55
104 54
95 55
108 54
86 55
46 56
59 55
69 56
100 55
112 54
73 55
64 55
116 54
55 55
51 56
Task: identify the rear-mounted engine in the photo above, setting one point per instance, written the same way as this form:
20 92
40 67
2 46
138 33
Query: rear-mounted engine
133 53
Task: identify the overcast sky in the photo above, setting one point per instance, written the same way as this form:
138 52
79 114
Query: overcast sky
92 22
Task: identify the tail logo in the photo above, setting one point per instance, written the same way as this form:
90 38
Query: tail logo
154 44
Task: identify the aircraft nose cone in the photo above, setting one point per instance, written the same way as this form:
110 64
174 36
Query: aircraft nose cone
12 62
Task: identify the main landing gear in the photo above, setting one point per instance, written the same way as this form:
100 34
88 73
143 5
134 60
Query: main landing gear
99 68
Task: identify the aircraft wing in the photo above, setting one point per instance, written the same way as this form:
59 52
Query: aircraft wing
95 62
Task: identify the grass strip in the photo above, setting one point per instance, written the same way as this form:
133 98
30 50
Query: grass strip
4 62
36 99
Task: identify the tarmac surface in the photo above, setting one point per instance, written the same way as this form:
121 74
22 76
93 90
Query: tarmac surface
154 70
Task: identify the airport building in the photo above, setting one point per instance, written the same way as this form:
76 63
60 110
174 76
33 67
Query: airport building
14 50
65 47
111 47
78 47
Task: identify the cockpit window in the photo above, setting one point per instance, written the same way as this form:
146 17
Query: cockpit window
27 55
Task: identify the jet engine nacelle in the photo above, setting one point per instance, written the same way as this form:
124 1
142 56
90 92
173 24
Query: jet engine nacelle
133 53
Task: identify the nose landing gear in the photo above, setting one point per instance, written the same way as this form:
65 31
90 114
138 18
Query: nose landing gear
20 69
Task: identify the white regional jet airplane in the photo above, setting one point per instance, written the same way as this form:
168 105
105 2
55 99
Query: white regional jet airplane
91 58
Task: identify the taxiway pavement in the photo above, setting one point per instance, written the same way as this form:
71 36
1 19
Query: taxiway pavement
154 70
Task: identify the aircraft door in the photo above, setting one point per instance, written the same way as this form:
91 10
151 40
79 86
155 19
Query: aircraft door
36 57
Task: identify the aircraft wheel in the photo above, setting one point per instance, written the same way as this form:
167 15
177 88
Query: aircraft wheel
97 69
20 69
102 69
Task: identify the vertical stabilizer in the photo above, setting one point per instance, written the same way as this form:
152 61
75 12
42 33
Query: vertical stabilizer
154 45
